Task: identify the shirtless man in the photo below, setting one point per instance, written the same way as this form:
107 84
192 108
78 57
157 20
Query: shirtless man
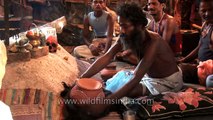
165 25
156 60
103 25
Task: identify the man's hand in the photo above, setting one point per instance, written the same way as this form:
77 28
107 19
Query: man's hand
95 50
124 53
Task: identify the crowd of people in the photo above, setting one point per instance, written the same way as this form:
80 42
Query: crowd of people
154 45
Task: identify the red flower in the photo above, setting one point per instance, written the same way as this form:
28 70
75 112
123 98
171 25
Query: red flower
157 106
180 98
209 92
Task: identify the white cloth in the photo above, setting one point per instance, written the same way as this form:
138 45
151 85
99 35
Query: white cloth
5 113
3 60
172 83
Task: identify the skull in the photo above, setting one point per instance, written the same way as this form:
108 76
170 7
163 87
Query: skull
52 43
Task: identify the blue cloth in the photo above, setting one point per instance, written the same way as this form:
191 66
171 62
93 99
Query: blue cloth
155 86
209 81
118 80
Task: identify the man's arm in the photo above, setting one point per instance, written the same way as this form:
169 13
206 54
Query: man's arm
86 31
110 31
170 26
191 56
102 61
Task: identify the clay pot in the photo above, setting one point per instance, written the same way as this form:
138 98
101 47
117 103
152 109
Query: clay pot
87 90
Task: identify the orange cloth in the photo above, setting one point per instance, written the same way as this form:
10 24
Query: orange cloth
204 69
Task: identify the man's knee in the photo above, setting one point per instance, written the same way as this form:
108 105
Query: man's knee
139 90
82 51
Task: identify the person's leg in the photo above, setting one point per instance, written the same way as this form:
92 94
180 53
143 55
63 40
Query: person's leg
139 90
209 81
82 52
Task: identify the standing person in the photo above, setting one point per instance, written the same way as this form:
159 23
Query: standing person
153 53
165 25
204 49
6 115
102 23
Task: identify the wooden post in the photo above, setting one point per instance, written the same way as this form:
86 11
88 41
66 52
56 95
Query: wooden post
6 21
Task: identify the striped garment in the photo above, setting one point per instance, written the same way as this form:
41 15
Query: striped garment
32 103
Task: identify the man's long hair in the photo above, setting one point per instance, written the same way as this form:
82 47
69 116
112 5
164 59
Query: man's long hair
137 41
133 13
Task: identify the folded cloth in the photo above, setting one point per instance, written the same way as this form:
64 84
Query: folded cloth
118 80
172 83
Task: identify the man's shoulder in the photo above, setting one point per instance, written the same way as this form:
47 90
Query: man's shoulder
171 23
169 19
154 35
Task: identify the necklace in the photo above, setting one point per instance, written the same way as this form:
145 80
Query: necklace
206 30
156 25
